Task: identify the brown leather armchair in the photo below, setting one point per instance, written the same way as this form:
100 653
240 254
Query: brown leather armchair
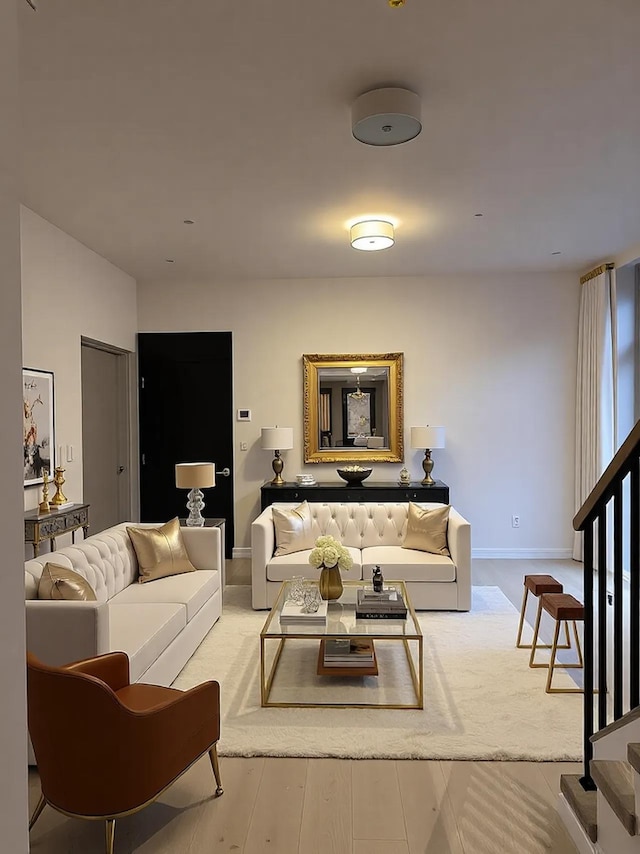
106 748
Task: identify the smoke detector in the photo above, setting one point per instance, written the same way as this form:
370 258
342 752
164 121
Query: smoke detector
386 116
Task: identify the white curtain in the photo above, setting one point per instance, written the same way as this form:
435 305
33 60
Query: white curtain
595 397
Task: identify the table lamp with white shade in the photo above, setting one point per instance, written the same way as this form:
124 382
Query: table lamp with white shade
427 438
277 439
195 477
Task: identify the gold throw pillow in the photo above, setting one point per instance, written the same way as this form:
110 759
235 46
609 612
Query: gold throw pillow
160 551
58 582
293 529
427 529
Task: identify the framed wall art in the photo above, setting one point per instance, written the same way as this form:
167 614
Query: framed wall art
38 436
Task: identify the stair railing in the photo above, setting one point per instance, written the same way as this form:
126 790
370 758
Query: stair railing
603 506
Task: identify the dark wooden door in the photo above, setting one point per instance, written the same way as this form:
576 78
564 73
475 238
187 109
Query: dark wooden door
185 400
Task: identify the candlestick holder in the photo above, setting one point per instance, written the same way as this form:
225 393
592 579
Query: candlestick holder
59 498
44 506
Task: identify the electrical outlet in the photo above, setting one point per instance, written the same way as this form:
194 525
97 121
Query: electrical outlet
515 521
243 446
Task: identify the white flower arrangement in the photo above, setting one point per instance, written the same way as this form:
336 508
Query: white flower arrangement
329 552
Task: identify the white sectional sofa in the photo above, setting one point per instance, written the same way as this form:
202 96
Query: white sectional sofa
374 534
159 624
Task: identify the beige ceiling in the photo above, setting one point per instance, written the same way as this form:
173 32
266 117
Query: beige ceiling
139 114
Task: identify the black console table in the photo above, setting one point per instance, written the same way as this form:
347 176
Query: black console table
374 491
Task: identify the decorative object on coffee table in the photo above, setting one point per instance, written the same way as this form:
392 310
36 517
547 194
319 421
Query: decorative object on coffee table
195 477
330 556
44 506
59 498
354 475
378 580
427 438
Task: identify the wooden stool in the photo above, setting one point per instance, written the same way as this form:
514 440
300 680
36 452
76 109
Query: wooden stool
562 607
537 585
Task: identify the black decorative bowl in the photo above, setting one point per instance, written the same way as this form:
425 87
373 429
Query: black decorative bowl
354 477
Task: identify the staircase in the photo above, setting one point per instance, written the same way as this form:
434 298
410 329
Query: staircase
601 808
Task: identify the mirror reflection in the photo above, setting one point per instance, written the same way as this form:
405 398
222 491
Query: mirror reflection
353 407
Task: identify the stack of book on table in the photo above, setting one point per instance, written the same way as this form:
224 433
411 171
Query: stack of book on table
293 614
348 652
387 605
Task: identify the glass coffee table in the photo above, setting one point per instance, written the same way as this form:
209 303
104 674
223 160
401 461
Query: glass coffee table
342 623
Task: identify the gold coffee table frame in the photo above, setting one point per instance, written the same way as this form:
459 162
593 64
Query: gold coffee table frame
342 612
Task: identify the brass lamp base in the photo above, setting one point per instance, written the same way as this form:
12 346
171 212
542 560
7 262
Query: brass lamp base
277 465
427 465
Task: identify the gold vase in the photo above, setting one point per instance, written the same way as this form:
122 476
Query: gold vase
330 583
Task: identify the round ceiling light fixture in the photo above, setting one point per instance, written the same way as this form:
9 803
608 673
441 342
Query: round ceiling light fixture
386 117
371 235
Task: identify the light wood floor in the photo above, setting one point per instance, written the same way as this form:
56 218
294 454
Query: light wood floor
334 806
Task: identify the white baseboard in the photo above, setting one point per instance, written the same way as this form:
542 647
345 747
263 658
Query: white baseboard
523 554
243 552
574 828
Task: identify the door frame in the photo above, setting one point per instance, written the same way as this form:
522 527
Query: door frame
127 387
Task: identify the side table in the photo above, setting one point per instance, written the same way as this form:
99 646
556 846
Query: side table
47 526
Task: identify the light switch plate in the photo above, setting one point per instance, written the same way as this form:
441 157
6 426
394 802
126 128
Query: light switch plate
244 415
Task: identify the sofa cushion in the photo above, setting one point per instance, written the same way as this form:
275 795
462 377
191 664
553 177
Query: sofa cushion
161 551
144 631
286 566
427 529
292 529
59 582
405 564
191 589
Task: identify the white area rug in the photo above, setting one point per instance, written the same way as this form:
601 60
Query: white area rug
482 701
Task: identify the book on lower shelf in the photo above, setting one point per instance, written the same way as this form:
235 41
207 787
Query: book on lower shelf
292 614
348 652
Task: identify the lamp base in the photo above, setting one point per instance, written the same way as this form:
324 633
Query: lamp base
427 465
195 504
277 465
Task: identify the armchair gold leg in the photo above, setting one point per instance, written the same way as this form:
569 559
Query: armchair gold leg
37 811
213 756
110 835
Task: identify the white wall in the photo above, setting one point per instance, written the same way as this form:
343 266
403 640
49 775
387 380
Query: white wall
493 358
69 292
13 732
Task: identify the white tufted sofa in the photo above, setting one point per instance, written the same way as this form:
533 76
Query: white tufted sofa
158 624
373 533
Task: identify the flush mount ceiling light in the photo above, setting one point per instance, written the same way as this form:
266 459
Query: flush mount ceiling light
386 117
371 235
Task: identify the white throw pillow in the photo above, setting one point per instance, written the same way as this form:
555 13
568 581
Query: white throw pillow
293 529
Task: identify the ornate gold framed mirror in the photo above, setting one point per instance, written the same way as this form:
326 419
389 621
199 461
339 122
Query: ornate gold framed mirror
353 408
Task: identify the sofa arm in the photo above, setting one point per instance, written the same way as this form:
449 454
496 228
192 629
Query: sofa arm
459 540
263 545
204 547
59 631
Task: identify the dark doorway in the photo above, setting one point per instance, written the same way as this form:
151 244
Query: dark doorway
185 388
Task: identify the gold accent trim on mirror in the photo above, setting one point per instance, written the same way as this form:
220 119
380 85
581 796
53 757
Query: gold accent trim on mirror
313 453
